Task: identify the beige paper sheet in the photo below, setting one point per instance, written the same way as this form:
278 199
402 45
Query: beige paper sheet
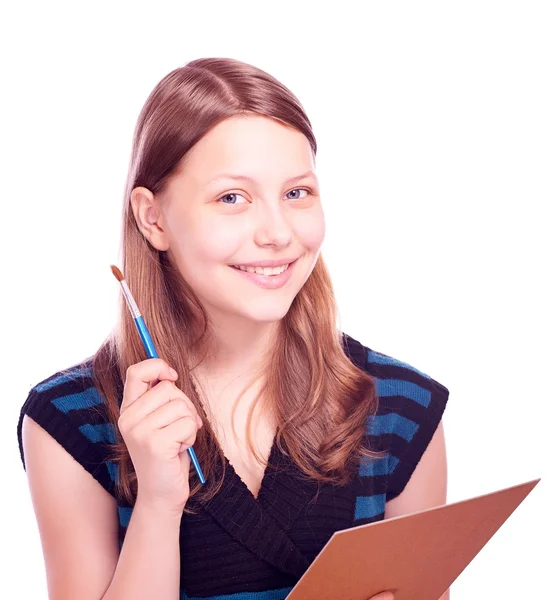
417 556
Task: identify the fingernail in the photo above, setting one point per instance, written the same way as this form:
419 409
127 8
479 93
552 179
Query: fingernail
173 373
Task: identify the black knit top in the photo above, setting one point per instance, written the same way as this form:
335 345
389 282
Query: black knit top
237 547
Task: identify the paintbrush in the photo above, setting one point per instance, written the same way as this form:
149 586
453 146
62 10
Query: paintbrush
148 345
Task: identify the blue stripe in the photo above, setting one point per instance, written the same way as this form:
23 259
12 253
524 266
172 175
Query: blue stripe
124 515
391 423
99 433
380 466
112 468
86 399
381 359
64 378
369 506
399 387
266 595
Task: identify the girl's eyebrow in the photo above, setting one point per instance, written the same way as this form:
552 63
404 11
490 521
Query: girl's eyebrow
238 177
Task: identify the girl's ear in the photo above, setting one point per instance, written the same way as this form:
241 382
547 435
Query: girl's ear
148 215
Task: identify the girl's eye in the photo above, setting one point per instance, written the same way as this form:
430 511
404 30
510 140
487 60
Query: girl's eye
291 195
296 191
229 198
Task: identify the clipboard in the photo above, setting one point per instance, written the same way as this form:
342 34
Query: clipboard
415 556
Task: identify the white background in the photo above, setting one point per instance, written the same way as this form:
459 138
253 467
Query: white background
437 134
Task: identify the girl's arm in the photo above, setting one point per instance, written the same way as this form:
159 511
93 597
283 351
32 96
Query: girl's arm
78 526
427 487
149 565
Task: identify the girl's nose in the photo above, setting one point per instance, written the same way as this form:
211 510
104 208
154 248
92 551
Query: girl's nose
273 228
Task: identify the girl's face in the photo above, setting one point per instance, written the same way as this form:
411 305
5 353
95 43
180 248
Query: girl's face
247 193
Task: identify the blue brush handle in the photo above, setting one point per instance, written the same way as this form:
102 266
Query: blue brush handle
152 353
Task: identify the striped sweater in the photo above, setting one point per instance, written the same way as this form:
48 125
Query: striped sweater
237 547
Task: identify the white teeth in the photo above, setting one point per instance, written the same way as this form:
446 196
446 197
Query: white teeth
264 270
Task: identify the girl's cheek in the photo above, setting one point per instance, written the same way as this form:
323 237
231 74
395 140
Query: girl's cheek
310 230
211 242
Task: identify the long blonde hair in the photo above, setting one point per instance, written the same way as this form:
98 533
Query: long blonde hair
318 397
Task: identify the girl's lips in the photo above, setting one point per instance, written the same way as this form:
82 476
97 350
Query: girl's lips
268 282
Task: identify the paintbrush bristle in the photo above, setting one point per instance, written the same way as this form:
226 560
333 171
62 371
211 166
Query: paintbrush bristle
117 273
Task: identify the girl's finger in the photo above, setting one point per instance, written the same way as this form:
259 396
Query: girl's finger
139 377
161 394
174 409
383 596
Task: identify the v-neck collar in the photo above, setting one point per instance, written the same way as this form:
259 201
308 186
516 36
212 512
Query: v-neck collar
261 524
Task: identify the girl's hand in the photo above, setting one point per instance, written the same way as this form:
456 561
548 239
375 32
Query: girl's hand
158 425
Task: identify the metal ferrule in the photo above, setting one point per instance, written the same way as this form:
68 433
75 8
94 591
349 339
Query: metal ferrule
129 299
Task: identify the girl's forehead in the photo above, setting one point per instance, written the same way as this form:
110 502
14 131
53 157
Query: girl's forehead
247 148
248 136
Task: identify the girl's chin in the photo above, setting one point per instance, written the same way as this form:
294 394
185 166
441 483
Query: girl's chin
265 316
265 311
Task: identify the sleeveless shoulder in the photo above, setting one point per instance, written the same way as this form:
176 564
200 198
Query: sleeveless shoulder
411 405
68 406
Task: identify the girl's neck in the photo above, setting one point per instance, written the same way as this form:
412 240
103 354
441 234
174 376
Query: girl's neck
237 347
